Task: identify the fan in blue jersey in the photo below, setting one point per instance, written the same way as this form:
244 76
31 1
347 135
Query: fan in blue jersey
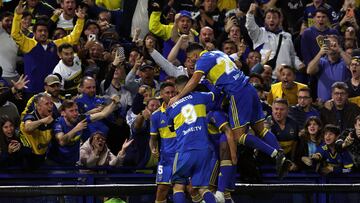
194 151
245 107
332 160
159 127
221 136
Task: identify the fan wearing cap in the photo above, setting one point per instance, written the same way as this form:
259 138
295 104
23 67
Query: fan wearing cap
146 77
52 86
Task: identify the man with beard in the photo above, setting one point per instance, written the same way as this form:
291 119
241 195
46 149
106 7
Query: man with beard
268 38
52 86
40 53
69 68
329 68
287 88
65 148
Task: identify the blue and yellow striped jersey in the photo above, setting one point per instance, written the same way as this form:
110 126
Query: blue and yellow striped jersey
221 71
158 126
188 116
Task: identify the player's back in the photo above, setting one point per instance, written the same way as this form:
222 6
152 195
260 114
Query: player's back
221 70
188 116
159 127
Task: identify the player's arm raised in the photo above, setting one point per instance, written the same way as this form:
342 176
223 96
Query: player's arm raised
190 86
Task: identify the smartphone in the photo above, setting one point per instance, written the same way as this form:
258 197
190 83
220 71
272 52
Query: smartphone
91 37
121 52
327 42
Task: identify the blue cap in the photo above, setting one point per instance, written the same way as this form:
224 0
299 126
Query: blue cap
184 13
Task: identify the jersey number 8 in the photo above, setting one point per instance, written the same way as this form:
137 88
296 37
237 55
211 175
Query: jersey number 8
189 113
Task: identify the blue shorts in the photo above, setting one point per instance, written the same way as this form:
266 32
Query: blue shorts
245 107
194 164
164 170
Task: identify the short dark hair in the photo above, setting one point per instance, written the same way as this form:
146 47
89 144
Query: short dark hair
194 46
322 10
67 104
166 84
332 128
305 89
64 46
182 79
339 85
280 101
5 14
273 10
258 76
228 41
40 23
284 66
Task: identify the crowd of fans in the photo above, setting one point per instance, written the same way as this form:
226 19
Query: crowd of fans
81 79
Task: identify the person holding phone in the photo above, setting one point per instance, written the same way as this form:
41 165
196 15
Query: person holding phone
329 66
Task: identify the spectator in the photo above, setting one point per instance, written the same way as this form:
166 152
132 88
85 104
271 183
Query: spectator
36 130
94 152
68 129
303 109
340 111
310 140
10 145
329 68
25 24
65 17
211 16
354 82
287 88
70 70
284 128
37 8
313 37
146 74
140 155
350 140
310 12
206 36
268 38
8 49
267 77
332 161
52 88
7 93
88 103
229 47
38 48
